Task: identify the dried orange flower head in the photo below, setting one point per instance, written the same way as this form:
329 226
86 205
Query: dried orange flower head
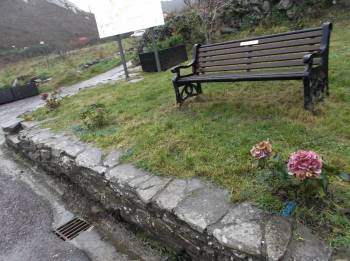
261 150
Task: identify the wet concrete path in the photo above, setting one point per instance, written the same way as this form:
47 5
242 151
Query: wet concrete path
32 204
12 110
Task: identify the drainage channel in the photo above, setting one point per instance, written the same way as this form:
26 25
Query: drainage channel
86 227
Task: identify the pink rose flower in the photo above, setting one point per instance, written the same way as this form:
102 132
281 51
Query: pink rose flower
261 150
305 164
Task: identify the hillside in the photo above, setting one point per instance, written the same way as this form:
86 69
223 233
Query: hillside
170 6
58 23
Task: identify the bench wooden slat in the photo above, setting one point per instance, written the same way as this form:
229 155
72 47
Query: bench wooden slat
251 66
299 49
282 70
274 70
300 42
272 58
266 36
271 39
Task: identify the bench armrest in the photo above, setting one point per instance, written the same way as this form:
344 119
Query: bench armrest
309 57
309 60
176 69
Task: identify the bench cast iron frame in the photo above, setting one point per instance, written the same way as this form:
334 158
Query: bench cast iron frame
315 77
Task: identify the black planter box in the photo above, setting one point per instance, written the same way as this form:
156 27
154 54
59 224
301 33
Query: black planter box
18 93
168 58
6 96
25 91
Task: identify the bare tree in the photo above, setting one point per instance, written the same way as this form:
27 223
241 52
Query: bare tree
207 11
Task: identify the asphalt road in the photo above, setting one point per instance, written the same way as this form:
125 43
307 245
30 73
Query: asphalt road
26 221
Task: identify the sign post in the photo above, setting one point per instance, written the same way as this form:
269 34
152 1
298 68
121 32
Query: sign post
155 49
122 55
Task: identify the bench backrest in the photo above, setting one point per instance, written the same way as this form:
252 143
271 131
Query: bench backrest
284 51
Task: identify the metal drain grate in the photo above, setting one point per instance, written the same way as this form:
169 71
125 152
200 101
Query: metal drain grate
72 229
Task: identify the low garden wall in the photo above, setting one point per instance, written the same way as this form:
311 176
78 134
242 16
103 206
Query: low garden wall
184 215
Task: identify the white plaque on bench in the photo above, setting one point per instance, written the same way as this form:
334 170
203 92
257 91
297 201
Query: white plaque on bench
250 43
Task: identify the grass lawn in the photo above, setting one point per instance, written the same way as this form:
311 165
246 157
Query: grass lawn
211 136
64 69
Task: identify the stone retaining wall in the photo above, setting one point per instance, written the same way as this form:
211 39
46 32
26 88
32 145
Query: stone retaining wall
184 215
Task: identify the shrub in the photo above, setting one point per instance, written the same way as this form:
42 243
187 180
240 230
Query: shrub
178 29
4 86
303 177
94 116
6 80
172 41
44 96
53 100
188 25
23 80
36 50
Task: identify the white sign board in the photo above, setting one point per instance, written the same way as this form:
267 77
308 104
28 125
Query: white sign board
115 17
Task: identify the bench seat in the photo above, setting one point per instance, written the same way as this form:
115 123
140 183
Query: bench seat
245 76
298 55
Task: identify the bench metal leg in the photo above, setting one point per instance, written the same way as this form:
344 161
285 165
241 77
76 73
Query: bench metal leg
199 88
326 86
320 84
183 92
315 87
308 96
177 93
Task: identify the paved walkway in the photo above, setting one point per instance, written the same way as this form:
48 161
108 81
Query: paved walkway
12 110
